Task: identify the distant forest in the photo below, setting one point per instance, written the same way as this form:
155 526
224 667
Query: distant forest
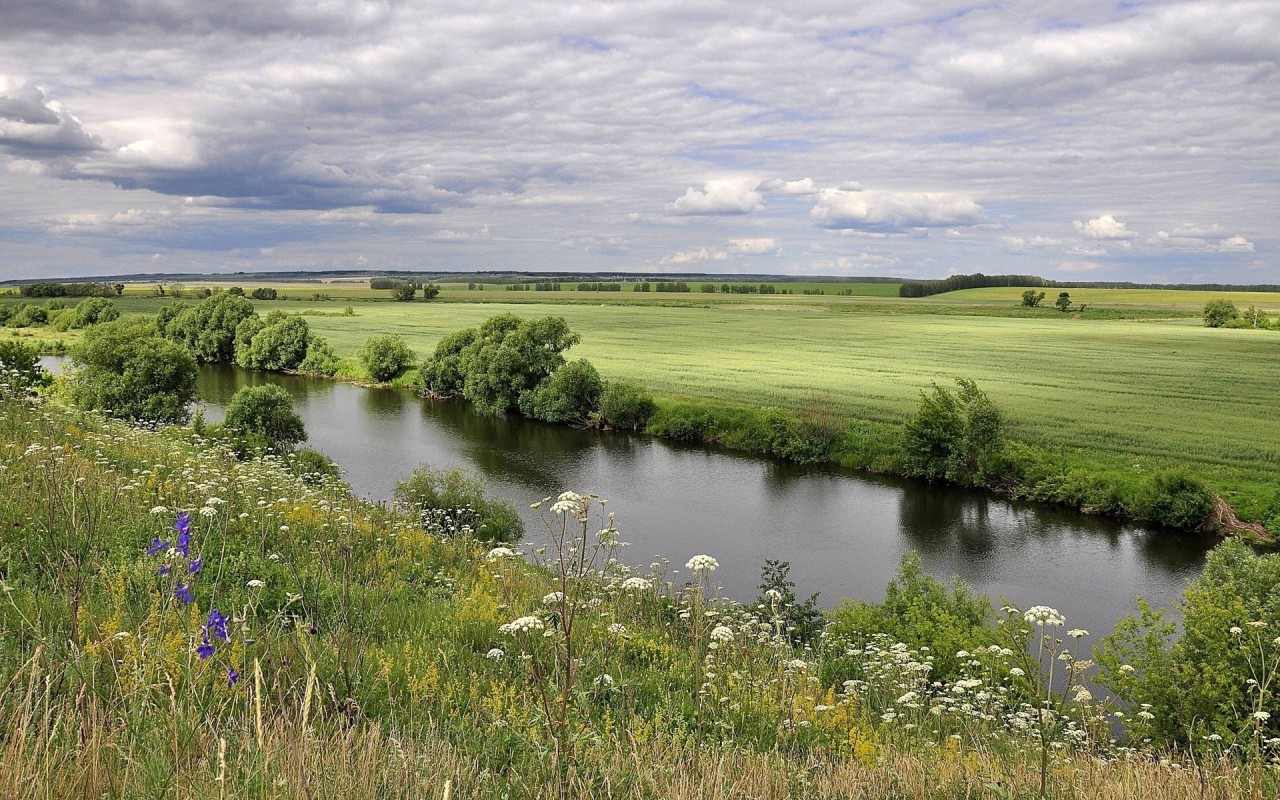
980 281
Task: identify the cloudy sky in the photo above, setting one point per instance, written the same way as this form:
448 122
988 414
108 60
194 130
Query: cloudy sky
1077 139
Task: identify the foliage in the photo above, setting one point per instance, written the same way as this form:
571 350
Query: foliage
627 405
430 291
385 356
445 372
1031 298
28 315
1213 678
570 394
312 466
511 356
452 491
798 622
404 292
1176 499
94 310
1218 313
208 329
955 437
1063 303
280 343
264 293
320 359
264 415
126 369
921 611
20 367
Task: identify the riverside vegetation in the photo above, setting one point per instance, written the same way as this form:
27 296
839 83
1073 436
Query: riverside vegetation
178 621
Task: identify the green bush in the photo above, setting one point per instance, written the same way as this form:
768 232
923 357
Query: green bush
385 356
1198 684
208 329
445 372
1175 499
94 311
265 415
20 365
569 394
624 404
1218 313
955 437
312 465
511 356
320 360
264 293
28 315
454 492
126 368
281 343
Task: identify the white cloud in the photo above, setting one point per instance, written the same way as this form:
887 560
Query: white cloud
1019 244
762 246
881 210
694 256
1105 227
723 196
1235 244
800 188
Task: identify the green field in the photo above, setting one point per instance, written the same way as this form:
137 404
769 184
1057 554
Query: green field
1129 395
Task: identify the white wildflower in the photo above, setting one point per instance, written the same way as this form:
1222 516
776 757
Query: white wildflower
256 584
159 510
522 625
495 654
720 633
701 564
1044 615
636 585
617 629
500 552
552 599
1077 633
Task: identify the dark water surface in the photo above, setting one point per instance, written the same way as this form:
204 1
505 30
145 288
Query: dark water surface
843 533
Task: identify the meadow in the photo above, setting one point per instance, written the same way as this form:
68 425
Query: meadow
1098 391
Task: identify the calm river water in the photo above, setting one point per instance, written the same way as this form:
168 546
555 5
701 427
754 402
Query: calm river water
843 533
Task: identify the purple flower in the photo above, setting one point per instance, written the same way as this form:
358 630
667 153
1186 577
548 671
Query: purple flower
205 649
183 594
217 625
232 677
166 569
157 546
196 564
183 527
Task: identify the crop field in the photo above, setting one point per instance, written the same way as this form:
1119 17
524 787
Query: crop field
1151 299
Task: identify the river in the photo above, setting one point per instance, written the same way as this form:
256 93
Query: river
842 532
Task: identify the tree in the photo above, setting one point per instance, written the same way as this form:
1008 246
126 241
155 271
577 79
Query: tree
1255 317
445 373
208 329
430 291
1220 312
404 293
279 345
236 290
954 436
385 357
512 356
93 311
320 360
1063 303
1031 298
569 394
264 293
264 415
624 404
128 370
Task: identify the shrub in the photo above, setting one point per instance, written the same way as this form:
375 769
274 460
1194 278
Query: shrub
1175 499
320 360
279 344
404 293
454 492
386 356
264 415
445 373
570 393
312 465
93 311
208 329
127 369
1218 313
955 437
624 404
20 365
28 315
511 356
264 293
1031 298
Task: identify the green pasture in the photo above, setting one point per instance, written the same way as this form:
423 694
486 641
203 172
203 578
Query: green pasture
1150 299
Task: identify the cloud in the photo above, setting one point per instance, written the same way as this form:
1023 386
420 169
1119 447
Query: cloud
1235 244
33 127
1105 227
799 188
693 256
724 196
1018 244
762 246
881 211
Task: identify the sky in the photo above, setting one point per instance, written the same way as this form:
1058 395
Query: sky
1075 140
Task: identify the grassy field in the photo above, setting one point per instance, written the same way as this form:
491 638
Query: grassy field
1116 394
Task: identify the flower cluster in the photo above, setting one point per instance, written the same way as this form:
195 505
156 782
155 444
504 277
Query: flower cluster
1044 615
701 564
526 624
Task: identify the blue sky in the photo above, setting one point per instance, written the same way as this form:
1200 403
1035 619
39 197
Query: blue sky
1075 140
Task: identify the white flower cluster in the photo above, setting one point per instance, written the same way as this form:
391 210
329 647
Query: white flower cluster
721 633
1043 615
495 654
701 563
636 585
553 599
568 503
500 552
527 624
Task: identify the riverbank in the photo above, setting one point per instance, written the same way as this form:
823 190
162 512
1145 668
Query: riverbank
249 633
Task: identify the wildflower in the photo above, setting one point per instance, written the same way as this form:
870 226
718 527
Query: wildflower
605 681
774 595
701 563
274 557
720 633
196 564
157 510
1017 672
157 546
617 629
1257 623
495 654
1044 615
1076 633
1127 668
165 570
205 649
256 584
500 552
217 625
636 585
183 527
1235 630
552 599
522 625
1261 716
232 677
183 594
208 511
